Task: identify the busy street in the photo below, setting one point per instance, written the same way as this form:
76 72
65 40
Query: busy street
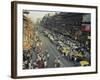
49 44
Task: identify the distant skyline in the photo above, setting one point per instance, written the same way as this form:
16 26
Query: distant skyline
34 15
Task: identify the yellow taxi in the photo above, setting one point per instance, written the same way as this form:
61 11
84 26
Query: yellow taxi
64 50
84 63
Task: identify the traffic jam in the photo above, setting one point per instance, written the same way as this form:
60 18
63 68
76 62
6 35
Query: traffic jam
50 44
70 49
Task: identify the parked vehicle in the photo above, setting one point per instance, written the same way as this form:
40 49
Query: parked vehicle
46 33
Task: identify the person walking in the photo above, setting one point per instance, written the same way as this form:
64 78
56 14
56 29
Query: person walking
57 62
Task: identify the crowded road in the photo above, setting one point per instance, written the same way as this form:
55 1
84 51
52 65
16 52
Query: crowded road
46 47
53 52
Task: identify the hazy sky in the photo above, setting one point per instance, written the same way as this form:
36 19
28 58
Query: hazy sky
34 15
